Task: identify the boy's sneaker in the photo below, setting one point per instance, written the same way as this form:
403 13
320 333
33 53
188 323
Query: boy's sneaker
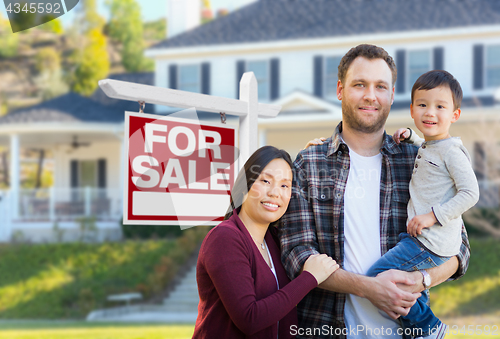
438 333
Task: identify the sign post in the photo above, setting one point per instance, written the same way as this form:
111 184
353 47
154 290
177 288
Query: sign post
167 182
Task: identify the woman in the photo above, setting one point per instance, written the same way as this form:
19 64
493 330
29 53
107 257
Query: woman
243 287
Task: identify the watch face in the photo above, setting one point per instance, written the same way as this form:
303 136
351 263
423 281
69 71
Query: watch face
427 279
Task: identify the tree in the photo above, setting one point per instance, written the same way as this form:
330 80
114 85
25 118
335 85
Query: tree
93 64
8 40
91 60
125 26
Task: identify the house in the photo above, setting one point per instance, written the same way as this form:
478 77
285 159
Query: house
293 47
85 139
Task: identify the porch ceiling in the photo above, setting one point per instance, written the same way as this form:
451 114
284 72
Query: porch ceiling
58 135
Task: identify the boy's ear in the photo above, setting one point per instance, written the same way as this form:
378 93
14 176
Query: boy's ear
456 115
411 110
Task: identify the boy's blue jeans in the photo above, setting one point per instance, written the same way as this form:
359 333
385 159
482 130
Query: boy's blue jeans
408 255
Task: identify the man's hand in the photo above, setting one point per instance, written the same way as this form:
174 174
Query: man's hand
419 222
385 295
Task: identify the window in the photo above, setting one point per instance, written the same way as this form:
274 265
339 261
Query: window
88 173
331 76
419 62
189 78
261 71
493 66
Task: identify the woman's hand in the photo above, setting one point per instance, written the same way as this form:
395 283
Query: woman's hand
401 134
317 141
320 266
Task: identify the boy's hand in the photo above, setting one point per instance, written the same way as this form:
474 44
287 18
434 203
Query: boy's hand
419 222
400 135
317 141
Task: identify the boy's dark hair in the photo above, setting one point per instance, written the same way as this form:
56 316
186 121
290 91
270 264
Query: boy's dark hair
436 78
369 52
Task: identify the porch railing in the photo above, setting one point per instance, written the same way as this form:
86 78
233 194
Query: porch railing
69 203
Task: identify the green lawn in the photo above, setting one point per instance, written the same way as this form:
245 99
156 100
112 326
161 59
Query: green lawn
83 330
478 292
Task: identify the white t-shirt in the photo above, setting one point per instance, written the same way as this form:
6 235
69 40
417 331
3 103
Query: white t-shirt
362 244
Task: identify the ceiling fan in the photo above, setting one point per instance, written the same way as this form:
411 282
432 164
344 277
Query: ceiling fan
76 144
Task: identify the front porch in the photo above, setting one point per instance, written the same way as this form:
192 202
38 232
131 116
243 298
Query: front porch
61 214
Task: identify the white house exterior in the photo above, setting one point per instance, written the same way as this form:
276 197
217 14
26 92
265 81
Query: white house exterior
293 47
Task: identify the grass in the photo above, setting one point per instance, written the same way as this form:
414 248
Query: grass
66 281
478 292
85 330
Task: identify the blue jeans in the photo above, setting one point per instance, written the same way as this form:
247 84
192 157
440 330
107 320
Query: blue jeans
409 255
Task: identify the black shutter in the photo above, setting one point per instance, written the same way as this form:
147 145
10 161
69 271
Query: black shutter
240 69
478 67
74 173
172 76
318 76
401 65
275 78
101 173
439 58
205 78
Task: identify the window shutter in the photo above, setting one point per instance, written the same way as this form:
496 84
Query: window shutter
74 173
172 76
439 58
401 65
478 67
101 173
240 69
205 78
318 76
275 78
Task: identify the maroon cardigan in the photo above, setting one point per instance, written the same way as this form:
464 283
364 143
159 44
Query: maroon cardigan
238 293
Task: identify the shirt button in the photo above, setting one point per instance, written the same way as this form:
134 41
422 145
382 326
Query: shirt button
339 153
323 196
423 147
338 195
335 226
346 167
419 156
416 165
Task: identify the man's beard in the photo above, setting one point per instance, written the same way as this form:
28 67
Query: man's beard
352 119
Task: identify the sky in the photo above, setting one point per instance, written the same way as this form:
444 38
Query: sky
150 9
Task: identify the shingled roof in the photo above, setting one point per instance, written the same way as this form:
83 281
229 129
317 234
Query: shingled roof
72 107
272 20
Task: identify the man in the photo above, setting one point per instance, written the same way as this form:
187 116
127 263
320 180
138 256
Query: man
349 201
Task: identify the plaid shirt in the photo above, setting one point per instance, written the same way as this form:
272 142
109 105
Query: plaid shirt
314 221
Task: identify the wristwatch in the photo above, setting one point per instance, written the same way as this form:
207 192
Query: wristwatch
426 281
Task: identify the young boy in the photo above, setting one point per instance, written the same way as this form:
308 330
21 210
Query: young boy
443 186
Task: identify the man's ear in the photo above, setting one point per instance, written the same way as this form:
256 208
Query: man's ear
340 88
392 95
456 115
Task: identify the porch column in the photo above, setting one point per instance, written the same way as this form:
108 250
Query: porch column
14 174
123 163
262 138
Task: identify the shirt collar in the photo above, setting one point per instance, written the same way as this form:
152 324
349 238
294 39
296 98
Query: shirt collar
389 146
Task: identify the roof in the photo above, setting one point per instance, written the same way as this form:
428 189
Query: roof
272 20
72 107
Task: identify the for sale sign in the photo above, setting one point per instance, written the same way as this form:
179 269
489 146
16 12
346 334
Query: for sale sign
177 171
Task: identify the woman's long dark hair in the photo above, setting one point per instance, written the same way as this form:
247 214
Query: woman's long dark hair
251 171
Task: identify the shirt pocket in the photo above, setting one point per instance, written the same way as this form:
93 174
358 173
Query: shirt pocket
322 191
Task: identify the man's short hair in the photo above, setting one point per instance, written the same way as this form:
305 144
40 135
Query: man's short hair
436 78
369 52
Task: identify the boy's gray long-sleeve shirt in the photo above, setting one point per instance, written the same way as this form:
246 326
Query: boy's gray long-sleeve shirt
444 182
